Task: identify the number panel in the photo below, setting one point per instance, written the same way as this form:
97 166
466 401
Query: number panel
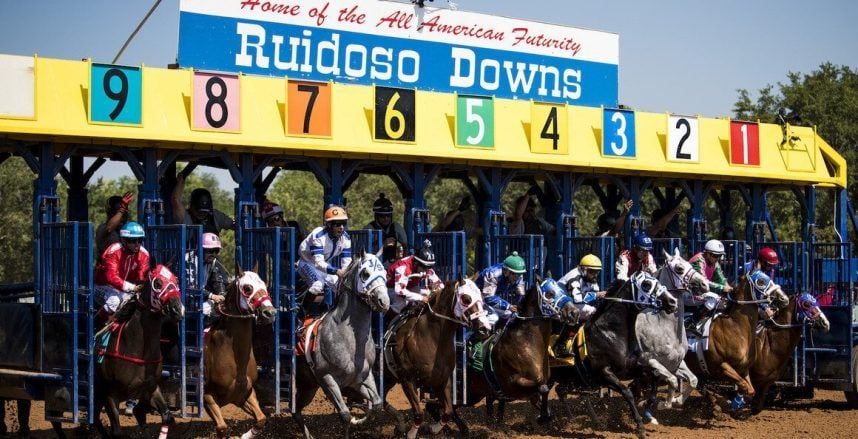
683 139
216 102
115 95
394 115
308 108
618 133
475 122
17 87
744 143
548 129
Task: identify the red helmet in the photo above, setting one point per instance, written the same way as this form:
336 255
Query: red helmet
768 255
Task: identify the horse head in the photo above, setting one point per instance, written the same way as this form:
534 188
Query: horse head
164 295
650 291
253 296
370 281
554 302
807 310
764 289
684 276
469 306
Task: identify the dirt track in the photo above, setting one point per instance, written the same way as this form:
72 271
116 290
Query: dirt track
825 416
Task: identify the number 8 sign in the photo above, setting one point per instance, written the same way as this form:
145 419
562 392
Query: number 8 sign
215 105
115 95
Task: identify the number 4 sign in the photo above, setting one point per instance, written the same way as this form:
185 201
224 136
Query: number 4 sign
744 143
216 101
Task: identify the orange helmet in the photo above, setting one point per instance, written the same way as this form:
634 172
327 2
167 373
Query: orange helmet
335 213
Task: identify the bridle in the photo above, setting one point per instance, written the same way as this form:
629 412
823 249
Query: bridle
253 297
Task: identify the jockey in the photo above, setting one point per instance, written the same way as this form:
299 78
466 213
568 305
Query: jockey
122 269
214 273
411 279
708 264
582 286
636 258
502 279
391 231
320 248
767 260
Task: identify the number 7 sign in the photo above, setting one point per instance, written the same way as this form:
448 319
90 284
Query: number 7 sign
308 108
744 143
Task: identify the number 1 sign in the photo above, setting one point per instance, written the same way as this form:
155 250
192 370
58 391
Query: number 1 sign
115 95
744 143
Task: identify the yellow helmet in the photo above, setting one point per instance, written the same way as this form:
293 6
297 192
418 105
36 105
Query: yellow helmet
592 262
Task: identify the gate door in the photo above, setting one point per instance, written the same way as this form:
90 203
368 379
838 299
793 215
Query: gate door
65 292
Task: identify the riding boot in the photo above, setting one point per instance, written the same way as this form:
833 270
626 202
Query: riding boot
561 350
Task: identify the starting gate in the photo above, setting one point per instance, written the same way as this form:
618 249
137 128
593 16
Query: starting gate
65 292
602 246
529 247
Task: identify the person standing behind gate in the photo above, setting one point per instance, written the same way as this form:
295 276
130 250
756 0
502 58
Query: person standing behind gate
122 269
117 215
214 274
391 231
636 258
525 221
502 279
411 279
272 214
319 249
200 209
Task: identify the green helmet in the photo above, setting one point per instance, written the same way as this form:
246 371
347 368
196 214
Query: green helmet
514 263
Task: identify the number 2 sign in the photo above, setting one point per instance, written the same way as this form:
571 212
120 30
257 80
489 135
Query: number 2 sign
216 101
683 139
115 95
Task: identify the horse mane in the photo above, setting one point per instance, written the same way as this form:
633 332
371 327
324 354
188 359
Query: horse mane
613 291
441 301
530 302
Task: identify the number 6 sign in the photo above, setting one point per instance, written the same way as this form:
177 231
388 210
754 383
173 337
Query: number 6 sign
215 105
115 95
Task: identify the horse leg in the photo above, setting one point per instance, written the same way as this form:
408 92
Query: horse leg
332 390
305 392
746 389
686 374
414 399
251 407
541 401
445 400
615 382
112 409
660 371
157 400
369 392
760 398
213 410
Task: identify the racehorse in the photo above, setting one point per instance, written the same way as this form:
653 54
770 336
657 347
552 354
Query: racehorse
230 367
516 364
419 348
777 340
661 335
339 349
611 354
128 353
731 352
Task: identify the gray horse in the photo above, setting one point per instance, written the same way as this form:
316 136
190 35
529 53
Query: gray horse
661 335
340 352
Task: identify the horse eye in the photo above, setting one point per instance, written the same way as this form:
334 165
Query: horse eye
466 299
247 289
549 294
364 275
680 270
158 284
646 285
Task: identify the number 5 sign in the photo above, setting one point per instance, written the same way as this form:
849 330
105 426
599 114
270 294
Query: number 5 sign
215 105
115 95
475 121
683 139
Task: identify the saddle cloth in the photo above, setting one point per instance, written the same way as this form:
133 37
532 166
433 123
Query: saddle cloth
577 342
703 342
307 337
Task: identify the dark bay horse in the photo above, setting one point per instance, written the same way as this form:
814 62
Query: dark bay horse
230 367
340 351
517 363
731 338
128 354
419 348
777 340
610 341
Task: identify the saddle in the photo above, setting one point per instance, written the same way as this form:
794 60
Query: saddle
575 344
390 339
306 336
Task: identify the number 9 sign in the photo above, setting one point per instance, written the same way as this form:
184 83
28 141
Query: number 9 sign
115 95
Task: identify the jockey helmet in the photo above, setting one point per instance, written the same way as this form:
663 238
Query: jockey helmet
714 246
336 213
768 255
271 209
210 240
425 256
643 241
132 230
591 262
382 205
113 205
201 199
515 263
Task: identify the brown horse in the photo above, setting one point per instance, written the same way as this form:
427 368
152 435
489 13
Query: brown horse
731 338
419 349
517 365
230 368
128 354
777 341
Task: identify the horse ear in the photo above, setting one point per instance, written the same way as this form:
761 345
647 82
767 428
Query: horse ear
676 252
666 254
238 270
256 267
460 279
171 264
548 275
539 278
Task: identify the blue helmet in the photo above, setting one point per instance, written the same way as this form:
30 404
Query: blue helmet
132 230
643 241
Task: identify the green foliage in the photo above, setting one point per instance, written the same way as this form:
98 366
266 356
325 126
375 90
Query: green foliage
828 99
16 215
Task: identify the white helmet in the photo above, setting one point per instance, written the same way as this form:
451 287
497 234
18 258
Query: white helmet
715 247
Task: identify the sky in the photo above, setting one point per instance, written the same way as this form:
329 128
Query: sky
687 57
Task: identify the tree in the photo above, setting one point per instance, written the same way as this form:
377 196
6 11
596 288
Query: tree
826 98
16 215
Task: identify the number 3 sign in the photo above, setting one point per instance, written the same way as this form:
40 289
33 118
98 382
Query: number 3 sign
115 95
215 103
